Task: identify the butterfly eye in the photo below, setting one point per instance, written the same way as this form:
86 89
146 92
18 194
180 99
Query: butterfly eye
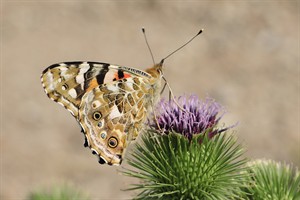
112 142
97 115
103 135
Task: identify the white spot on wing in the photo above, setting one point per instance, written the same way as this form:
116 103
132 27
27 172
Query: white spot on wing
73 108
103 159
60 103
129 84
114 113
63 73
94 150
112 88
71 111
84 68
63 100
50 80
62 68
81 125
79 78
109 76
96 104
72 92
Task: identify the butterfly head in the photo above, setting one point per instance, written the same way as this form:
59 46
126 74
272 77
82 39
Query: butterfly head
156 70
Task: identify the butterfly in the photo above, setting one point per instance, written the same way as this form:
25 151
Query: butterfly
110 102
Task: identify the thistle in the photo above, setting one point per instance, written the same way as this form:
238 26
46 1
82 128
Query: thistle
175 165
61 192
272 181
188 116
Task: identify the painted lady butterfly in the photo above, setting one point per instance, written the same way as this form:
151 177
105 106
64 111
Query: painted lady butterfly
110 102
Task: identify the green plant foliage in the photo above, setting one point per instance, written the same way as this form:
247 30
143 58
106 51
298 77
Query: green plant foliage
172 167
58 193
269 180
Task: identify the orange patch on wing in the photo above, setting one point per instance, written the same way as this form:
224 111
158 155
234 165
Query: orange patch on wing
126 75
116 76
92 85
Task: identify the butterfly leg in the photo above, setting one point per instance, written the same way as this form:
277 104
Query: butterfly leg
163 89
171 96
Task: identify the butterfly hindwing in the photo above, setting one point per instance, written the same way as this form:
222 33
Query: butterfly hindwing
112 115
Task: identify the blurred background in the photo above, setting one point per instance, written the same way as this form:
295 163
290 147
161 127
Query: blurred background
247 59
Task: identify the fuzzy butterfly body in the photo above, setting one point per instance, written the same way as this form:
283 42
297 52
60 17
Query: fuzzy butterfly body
110 102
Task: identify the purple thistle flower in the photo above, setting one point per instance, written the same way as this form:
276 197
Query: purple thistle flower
194 116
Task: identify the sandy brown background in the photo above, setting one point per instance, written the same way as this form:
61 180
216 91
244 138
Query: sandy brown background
247 59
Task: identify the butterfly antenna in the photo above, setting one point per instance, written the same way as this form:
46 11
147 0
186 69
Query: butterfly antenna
162 61
144 33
